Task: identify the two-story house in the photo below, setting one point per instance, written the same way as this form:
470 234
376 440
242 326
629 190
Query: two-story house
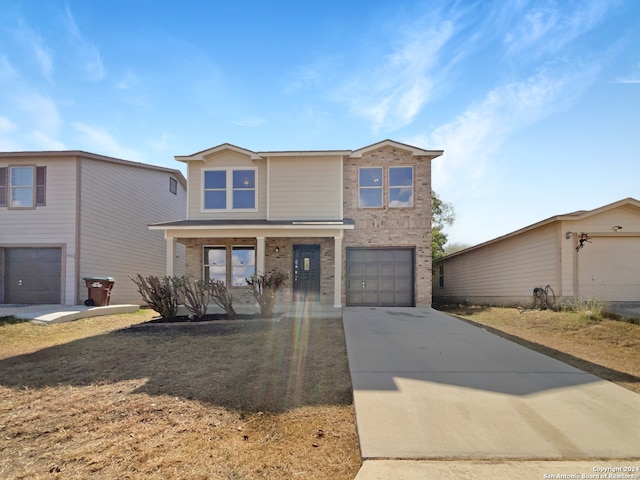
348 227
68 215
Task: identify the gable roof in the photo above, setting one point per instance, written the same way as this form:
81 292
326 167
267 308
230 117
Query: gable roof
573 216
219 148
94 156
415 151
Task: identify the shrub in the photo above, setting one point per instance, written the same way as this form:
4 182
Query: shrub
159 293
194 295
222 297
265 289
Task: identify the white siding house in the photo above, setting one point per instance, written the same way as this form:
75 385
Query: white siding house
587 255
91 221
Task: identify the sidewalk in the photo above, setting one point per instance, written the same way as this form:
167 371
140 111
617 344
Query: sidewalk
436 397
47 314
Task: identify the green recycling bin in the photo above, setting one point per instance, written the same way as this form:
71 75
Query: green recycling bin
99 291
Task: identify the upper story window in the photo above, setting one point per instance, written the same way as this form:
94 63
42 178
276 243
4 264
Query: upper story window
173 185
23 186
400 187
229 189
370 187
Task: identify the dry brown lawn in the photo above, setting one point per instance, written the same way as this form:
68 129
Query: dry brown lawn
607 348
238 400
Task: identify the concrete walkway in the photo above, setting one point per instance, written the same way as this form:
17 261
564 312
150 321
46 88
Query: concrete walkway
431 389
47 314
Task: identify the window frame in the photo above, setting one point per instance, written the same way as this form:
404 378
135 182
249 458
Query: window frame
229 266
232 265
369 187
38 187
399 187
173 185
229 189
205 265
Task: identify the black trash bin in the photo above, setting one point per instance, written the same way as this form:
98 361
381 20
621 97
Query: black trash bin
99 291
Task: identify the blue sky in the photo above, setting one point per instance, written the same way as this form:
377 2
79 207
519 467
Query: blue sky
536 103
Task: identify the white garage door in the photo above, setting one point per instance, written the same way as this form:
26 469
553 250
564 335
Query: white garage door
609 269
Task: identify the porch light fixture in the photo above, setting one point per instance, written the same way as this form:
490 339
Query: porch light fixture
277 249
568 235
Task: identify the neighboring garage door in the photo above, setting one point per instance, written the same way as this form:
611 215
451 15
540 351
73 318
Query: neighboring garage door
380 277
33 275
609 269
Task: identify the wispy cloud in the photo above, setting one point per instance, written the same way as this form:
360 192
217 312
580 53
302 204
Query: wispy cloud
398 89
6 125
86 51
98 139
547 27
249 122
631 78
42 111
128 81
44 141
34 44
476 134
7 71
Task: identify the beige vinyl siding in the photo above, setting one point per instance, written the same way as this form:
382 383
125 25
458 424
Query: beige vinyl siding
118 203
502 273
305 188
226 159
50 225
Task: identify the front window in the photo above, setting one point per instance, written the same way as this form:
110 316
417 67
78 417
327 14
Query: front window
21 183
370 187
215 263
243 260
400 187
230 189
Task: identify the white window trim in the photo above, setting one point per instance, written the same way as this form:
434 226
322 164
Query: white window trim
381 187
205 265
413 184
229 189
230 270
11 187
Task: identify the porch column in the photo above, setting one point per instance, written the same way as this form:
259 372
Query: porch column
260 251
337 273
171 255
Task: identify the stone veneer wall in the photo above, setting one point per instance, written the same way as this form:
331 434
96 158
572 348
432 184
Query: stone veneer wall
392 227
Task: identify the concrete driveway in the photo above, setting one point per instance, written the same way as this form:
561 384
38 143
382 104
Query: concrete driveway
429 386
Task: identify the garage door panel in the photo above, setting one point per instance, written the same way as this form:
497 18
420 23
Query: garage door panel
33 275
608 269
371 269
386 273
387 269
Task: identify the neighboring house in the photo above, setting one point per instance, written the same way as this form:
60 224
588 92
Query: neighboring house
71 214
348 227
504 271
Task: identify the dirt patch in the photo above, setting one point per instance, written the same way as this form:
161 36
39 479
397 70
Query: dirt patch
248 399
607 348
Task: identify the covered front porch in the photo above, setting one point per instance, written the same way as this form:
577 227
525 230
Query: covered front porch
309 252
